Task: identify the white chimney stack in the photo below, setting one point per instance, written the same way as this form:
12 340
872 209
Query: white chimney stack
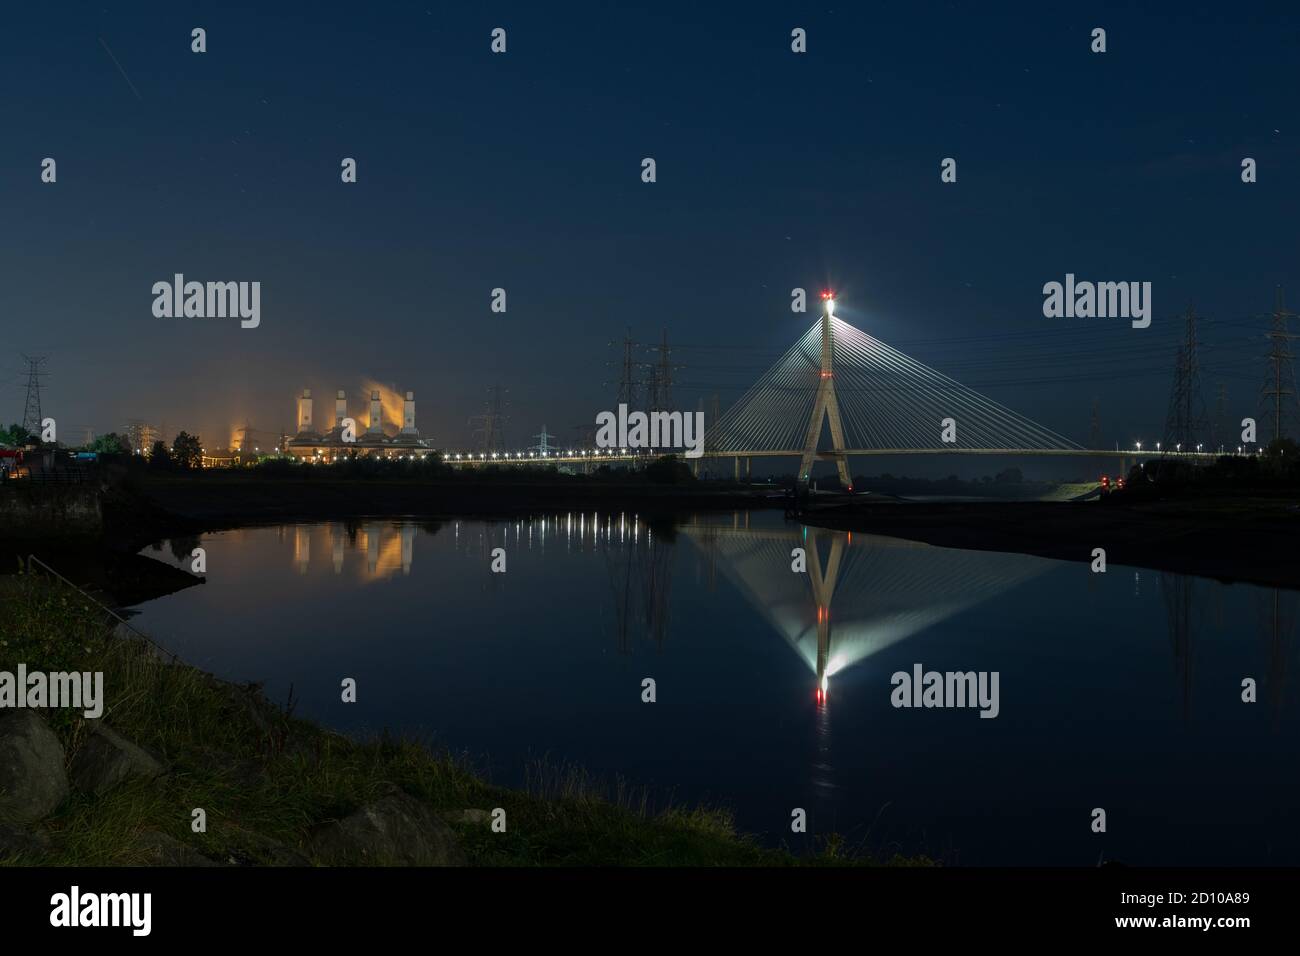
340 408
376 415
408 415
304 411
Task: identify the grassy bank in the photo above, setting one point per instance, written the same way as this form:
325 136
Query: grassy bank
267 780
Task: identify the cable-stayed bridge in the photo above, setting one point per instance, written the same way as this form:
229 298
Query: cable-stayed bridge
872 400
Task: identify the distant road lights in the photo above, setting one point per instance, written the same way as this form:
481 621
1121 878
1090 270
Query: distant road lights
1198 447
1139 446
1178 447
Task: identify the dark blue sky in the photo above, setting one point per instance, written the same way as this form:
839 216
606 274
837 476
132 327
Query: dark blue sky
523 171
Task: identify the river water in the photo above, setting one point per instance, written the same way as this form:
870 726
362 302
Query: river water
773 687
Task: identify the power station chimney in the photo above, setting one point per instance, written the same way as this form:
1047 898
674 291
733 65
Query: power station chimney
376 415
408 415
304 411
340 408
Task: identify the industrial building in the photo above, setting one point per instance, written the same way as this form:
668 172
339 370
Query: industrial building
345 439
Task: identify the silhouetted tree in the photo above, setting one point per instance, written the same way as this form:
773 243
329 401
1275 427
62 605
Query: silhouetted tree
160 457
17 435
668 470
187 451
110 444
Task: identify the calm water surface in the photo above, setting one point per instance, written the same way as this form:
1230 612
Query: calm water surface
1119 690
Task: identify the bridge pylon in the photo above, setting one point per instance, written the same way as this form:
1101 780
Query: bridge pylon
826 406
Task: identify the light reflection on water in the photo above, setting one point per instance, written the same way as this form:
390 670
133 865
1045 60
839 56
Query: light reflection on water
1120 690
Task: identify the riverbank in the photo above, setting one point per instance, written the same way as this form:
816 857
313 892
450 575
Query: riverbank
1238 535
1230 537
124 789
146 508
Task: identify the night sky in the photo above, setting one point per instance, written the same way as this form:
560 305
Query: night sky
522 171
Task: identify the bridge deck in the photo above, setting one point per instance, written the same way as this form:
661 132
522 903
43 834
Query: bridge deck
478 459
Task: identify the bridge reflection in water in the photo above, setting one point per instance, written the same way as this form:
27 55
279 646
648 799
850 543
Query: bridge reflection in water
861 593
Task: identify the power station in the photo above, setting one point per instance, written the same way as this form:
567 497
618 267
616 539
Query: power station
346 439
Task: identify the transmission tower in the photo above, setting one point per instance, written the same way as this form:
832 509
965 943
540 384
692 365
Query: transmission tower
1094 429
627 373
489 428
1277 395
1186 422
32 416
543 446
659 378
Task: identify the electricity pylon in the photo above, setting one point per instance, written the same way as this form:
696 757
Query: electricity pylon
32 409
1278 394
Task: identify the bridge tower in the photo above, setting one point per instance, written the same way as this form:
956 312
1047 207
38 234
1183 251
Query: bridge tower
826 406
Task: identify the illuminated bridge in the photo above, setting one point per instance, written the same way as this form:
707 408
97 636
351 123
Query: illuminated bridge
871 398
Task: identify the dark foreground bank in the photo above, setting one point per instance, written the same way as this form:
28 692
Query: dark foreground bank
182 769
1249 538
